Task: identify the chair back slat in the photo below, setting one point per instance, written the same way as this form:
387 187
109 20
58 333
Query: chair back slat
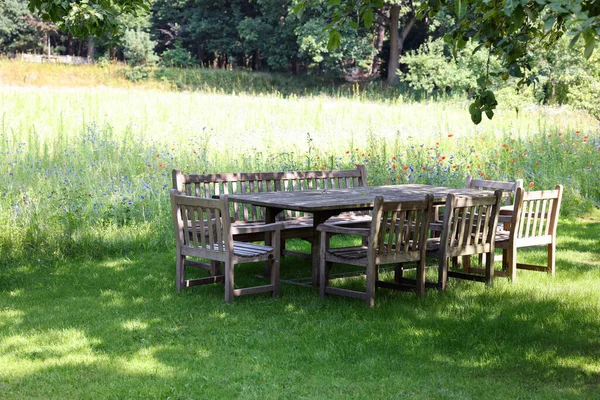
465 215
536 213
399 229
201 225
508 188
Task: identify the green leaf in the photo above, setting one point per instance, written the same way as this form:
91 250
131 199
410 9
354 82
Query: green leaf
333 3
549 24
489 114
299 9
334 39
460 8
368 18
574 40
590 44
476 116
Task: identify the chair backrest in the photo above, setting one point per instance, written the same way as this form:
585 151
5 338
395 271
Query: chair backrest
535 216
399 230
209 185
470 224
202 226
508 188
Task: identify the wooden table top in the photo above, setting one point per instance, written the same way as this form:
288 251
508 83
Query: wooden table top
351 198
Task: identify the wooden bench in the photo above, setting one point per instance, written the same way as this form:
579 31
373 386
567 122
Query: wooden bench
296 224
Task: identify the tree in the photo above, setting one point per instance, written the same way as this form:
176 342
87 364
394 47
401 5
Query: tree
509 28
16 32
85 18
506 28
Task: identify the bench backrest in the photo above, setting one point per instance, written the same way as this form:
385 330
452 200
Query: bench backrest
209 185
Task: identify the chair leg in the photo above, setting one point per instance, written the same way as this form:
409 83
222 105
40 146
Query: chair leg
466 262
229 281
323 264
552 258
215 268
512 263
442 274
275 278
371 279
179 272
489 269
398 272
323 277
421 277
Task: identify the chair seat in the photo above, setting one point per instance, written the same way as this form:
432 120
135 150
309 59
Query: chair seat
502 236
349 253
507 210
244 249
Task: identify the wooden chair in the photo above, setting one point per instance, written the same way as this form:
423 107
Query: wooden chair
203 230
469 228
533 223
398 234
508 193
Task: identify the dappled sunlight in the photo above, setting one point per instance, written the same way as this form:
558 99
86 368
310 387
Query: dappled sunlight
144 362
27 353
134 325
10 317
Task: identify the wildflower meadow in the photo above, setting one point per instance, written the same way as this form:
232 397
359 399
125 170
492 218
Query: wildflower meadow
80 162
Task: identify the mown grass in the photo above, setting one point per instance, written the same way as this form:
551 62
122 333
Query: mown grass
88 306
114 327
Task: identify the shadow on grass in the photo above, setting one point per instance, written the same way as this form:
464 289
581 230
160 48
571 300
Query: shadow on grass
116 327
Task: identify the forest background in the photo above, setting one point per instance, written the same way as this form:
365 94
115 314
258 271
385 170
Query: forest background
267 35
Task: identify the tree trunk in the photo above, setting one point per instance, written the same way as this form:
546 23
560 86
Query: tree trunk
396 43
394 60
91 47
70 45
256 61
376 68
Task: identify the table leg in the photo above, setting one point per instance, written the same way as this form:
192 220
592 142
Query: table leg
318 218
270 216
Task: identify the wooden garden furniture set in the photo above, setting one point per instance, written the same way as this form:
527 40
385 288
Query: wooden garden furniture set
219 217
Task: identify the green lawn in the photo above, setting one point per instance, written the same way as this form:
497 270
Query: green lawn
114 327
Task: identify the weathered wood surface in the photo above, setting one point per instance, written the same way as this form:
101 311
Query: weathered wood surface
203 231
469 228
209 185
298 224
398 234
533 223
351 198
325 204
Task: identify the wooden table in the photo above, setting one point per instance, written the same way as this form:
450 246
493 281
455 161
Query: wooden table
325 204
